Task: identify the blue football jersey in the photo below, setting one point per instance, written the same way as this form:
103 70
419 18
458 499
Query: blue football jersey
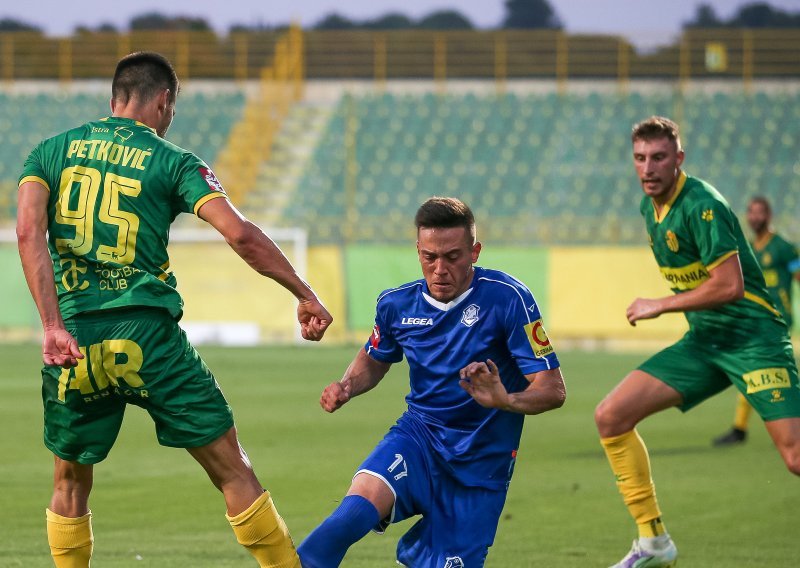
496 318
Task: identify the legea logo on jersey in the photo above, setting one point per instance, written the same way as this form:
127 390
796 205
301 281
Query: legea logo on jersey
417 321
471 315
211 179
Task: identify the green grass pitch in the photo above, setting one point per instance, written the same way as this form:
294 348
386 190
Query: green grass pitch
154 507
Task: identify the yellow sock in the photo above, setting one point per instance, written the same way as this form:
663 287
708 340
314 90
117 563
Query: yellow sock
261 530
742 415
630 463
70 540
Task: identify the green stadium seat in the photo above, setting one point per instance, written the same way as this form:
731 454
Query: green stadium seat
544 156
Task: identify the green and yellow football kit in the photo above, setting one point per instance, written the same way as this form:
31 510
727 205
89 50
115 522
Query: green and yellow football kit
744 343
780 261
115 187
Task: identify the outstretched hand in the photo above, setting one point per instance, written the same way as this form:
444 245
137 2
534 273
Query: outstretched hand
60 348
642 309
314 319
335 396
482 382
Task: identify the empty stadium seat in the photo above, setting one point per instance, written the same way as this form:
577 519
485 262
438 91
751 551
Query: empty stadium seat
530 158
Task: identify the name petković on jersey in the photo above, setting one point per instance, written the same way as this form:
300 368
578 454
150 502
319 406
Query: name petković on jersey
115 187
497 318
111 152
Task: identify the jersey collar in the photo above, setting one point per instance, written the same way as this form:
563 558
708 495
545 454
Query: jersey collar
449 305
668 205
761 243
122 118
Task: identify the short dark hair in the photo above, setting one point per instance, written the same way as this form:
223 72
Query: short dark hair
657 127
445 213
763 201
143 75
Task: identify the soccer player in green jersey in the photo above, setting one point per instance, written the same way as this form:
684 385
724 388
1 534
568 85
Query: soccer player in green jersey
780 262
95 206
736 336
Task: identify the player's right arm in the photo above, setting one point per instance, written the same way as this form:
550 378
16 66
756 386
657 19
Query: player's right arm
363 374
725 284
58 346
266 258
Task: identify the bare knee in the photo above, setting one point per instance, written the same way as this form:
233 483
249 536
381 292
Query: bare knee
611 419
785 434
375 490
638 396
791 457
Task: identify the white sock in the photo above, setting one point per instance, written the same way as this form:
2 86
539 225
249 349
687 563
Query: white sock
656 542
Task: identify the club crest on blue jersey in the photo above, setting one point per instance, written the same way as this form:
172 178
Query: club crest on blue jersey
470 315
454 562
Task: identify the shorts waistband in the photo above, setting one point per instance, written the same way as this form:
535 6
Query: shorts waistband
117 314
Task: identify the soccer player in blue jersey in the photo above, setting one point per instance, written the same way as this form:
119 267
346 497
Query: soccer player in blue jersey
479 361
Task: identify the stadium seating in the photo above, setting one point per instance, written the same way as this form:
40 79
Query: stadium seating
202 123
536 167
539 167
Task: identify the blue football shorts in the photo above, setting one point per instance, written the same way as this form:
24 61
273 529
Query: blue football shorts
458 523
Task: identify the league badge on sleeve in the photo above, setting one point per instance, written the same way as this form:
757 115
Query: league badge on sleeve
375 338
538 339
211 179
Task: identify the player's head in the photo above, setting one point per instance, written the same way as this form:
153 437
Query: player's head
657 155
759 214
147 78
447 246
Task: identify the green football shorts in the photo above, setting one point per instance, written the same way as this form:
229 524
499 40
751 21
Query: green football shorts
764 372
131 356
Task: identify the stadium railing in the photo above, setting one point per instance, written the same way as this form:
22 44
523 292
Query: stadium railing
743 54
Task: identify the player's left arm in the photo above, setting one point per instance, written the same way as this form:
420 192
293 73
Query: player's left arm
545 391
725 284
58 346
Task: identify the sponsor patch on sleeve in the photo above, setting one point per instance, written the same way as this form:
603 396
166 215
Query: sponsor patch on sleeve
211 179
538 339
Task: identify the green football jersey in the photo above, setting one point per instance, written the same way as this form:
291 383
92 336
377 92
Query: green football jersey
115 187
695 232
779 261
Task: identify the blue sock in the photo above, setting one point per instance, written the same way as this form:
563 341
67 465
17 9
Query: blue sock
327 544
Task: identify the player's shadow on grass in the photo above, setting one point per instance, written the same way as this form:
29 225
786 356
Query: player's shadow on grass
680 451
